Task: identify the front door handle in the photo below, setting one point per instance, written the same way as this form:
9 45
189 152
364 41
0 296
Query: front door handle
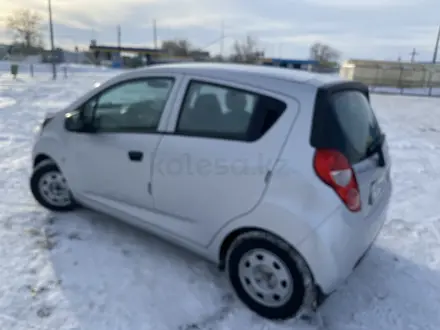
135 156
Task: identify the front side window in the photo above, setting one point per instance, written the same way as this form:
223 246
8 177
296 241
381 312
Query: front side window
133 106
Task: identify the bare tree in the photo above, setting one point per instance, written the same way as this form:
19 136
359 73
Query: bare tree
324 54
25 25
246 51
177 47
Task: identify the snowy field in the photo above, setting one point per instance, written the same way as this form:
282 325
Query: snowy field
87 271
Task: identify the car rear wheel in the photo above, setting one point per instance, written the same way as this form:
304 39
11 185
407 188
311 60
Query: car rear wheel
49 187
268 275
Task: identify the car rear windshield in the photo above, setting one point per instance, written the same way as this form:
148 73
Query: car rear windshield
344 121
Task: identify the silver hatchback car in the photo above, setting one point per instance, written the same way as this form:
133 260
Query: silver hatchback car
279 176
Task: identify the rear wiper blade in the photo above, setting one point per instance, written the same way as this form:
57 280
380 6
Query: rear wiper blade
375 144
376 147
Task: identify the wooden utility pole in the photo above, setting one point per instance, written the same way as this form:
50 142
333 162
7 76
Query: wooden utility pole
52 43
118 31
413 55
222 39
155 34
434 58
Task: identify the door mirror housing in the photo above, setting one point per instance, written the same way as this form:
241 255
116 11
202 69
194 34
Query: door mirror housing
74 122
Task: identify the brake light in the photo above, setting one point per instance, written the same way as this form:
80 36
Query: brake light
333 168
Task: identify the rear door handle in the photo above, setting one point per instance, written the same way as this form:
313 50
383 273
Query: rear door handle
135 156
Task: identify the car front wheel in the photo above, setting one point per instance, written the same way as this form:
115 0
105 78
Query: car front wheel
49 187
268 275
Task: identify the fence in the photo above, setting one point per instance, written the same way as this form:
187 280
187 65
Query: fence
44 71
396 78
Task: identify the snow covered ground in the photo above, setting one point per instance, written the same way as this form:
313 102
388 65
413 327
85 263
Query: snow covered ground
87 271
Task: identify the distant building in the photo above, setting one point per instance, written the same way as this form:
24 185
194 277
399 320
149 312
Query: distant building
290 63
391 73
75 57
200 55
57 56
112 55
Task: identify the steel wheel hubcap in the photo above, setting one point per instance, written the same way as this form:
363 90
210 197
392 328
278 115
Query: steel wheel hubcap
265 277
53 188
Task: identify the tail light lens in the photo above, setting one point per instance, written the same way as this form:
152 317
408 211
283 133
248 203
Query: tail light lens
333 168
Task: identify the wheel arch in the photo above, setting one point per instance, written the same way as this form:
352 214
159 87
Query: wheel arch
313 295
232 236
41 157
48 147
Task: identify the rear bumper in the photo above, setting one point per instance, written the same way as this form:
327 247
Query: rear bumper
322 297
339 244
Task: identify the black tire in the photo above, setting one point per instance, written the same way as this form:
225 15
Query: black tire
303 293
42 170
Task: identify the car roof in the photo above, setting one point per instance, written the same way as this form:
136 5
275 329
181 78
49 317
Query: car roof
245 71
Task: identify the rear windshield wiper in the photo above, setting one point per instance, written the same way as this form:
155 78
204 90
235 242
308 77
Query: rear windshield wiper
376 147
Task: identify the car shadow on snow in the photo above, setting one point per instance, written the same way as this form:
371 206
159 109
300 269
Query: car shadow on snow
118 277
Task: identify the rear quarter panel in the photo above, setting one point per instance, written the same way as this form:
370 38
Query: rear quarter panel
295 177
295 201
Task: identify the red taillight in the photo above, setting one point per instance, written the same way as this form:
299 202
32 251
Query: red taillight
333 168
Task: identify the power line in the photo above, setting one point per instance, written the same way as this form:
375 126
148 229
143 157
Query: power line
215 41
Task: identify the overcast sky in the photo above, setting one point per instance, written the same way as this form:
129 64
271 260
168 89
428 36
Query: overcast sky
381 29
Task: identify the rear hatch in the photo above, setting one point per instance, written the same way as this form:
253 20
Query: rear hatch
345 125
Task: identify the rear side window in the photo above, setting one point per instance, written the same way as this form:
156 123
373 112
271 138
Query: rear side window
222 112
344 121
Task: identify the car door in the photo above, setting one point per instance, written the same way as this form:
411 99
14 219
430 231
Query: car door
216 164
113 163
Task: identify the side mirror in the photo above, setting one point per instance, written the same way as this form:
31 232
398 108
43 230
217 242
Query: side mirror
73 122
